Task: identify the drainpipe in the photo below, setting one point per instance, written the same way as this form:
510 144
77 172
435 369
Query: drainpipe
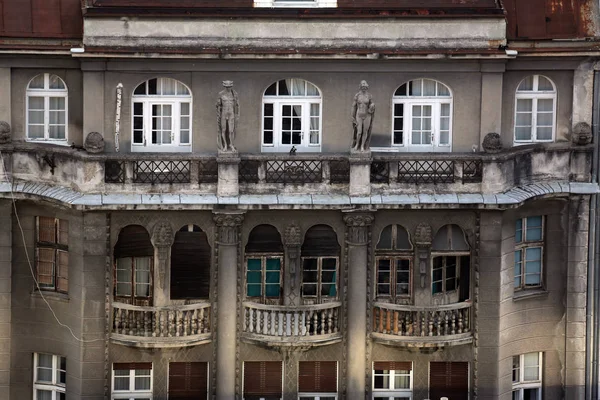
593 278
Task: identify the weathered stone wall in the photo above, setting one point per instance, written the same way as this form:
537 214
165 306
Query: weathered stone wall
6 246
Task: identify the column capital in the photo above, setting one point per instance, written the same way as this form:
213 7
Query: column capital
358 227
228 224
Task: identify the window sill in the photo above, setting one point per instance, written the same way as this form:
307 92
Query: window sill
529 293
58 142
64 297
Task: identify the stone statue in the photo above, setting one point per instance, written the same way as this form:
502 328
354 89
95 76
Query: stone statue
228 113
363 111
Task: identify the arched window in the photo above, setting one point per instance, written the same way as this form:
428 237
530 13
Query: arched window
451 260
162 116
320 264
190 264
535 110
134 254
422 116
264 262
47 106
291 116
394 264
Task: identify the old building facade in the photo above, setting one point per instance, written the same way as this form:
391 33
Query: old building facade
183 216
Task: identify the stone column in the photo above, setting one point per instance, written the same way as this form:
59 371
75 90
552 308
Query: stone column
162 239
227 242
5 295
358 228
491 101
228 184
360 173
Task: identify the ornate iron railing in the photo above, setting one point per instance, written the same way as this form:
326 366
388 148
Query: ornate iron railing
434 322
299 323
145 171
208 171
425 171
157 325
114 171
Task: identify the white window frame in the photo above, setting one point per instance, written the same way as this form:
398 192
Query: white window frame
278 101
132 394
317 396
295 3
523 246
534 95
175 101
54 386
392 392
436 108
46 93
519 386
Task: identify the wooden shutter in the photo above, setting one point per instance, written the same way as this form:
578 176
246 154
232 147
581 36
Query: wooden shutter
46 230
134 241
392 365
132 365
45 265
264 239
541 19
190 265
320 240
262 379
421 4
317 376
188 380
63 232
62 273
449 379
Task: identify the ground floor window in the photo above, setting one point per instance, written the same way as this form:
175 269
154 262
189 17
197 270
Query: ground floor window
263 380
317 380
132 381
49 377
188 380
527 377
392 380
449 379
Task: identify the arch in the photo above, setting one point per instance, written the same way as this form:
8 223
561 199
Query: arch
535 110
264 239
47 108
161 116
320 240
451 264
394 237
292 116
422 116
133 260
191 257
450 237
133 241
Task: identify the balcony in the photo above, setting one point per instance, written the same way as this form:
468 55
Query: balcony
161 327
432 326
508 177
288 326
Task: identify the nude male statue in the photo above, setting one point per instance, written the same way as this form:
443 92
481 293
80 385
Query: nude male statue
363 111
228 113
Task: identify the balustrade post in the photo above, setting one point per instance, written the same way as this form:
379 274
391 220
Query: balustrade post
358 226
228 229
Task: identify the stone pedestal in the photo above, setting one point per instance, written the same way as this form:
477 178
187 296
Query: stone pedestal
228 227
360 173
358 226
228 184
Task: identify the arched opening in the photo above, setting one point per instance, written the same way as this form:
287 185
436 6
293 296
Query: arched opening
320 265
451 264
393 260
190 264
133 271
264 265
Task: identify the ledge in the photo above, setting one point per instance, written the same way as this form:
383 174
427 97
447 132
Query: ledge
154 342
423 342
51 295
529 294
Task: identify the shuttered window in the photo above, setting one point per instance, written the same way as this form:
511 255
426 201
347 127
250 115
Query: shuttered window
264 265
449 379
392 380
188 380
263 380
52 254
133 274
320 260
190 264
540 19
132 381
317 379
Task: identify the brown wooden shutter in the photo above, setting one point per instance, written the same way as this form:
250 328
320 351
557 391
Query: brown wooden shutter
392 365
62 274
46 230
45 266
134 241
63 232
449 379
190 265
540 19
262 378
175 3
421 4
188 380
132 365
264 239
317 376
320 240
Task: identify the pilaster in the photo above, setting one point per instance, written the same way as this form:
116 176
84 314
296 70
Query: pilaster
228 227
162 239
5 95
491 100
358 226
5 296
93 98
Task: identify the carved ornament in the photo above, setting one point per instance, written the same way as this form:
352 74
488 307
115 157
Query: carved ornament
582 134
4 132
94 143
293 235
162 236
358 227
423 236
228 225
492 143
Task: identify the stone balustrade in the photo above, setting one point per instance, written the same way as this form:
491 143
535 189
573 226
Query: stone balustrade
301 174
431 326
317 324
169 326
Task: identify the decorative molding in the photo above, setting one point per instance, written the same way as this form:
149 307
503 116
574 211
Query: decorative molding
423 235
292 240
162 239
358 227
292 235
228 225
475 319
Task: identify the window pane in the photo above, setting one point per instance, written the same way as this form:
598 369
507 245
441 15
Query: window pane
443 90
57 117
402 382
142 383
381 381
57 103
43 394
526 84
37 82
544 84
544 133
428 87
121 383
56 132
36 117
524 119
524 105
519 231
531 394
383 277
45 360
56 83
36 103
534 229
523 133
531 366
515 369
